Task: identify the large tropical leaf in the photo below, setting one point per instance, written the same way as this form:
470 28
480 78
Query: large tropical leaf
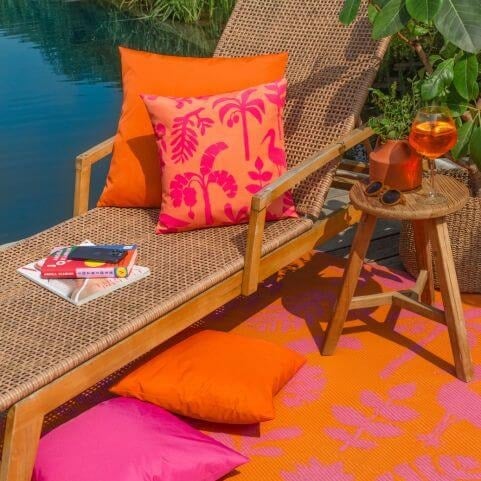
459 21
436 84
423 10
349 11
391 19
225 181
466 76
209 156
475 146
464 138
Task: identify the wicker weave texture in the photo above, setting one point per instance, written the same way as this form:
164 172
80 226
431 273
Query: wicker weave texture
43 336
464 228
330 69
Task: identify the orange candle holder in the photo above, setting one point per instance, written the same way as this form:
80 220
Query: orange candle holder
396 164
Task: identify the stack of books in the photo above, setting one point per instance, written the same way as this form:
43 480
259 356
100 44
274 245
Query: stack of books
80 281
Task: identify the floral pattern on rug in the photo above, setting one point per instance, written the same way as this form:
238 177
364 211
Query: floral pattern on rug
385 407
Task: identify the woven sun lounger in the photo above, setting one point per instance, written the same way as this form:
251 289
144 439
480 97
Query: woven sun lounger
50 350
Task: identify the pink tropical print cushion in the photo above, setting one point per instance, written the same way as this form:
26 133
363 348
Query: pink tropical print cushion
216 152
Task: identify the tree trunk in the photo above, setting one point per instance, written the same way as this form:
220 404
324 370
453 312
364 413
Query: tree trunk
422 56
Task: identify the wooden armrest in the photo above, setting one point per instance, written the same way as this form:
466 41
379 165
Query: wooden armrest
264 197
96 153
83 170
295 175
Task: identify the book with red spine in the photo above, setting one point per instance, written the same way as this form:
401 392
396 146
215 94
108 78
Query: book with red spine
58 266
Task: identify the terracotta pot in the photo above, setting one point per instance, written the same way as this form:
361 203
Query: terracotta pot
396 164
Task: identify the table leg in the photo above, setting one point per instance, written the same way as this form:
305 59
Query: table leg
451 299
359 247
424 259
20 445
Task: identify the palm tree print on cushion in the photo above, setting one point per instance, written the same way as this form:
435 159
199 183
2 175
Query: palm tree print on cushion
239 109
203 144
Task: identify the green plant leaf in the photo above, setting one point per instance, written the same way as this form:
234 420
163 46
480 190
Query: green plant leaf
349 11
380 3
419 30
475 146
435 59
391 19
436 84
423 10
449 50
372 12
464 137
476 91
456 103
459 21
466 76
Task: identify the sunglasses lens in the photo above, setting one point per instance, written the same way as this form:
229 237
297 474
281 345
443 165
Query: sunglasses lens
391 197
373 187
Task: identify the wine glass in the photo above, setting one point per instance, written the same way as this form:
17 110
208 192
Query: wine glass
433 133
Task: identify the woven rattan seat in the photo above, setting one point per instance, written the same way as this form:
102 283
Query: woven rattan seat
42 336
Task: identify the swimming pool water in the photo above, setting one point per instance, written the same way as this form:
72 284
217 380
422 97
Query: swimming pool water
60 94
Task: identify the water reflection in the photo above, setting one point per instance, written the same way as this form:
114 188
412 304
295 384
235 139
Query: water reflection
59 84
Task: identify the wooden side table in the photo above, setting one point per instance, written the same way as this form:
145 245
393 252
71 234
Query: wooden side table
429 228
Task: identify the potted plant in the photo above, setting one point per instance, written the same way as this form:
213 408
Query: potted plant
445 37
393 161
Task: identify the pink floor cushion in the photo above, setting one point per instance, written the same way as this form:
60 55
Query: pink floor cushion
217 151
130 440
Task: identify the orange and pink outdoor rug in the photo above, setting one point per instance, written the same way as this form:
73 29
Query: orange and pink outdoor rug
385 407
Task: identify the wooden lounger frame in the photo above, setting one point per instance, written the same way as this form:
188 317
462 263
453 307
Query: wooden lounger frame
25 418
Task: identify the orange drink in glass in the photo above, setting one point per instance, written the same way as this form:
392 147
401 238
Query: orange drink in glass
433 133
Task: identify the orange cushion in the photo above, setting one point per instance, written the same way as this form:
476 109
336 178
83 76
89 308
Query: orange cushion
134 175
215 376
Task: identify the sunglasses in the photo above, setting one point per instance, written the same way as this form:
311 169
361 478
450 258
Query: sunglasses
387 196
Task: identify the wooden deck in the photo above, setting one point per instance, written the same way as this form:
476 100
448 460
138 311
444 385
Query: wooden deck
384 247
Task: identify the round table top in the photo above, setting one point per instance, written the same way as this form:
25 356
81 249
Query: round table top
455 192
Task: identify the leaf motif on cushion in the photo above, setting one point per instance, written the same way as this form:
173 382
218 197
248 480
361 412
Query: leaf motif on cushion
242 214
262 176
208 157
169 223
185 131
160 131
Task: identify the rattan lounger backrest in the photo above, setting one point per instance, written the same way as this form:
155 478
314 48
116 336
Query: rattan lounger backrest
330 70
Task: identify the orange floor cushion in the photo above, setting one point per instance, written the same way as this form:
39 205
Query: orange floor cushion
134 176
215 376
